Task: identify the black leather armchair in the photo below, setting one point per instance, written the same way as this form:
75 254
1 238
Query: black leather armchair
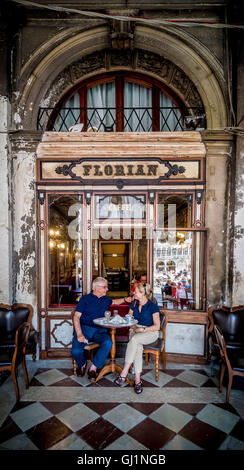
11 317
231 323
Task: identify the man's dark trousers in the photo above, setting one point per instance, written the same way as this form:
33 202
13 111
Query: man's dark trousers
98 335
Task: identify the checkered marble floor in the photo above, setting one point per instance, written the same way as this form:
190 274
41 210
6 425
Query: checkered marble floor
182 411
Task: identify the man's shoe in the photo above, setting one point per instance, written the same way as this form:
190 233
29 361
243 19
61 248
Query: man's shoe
80 371
92 374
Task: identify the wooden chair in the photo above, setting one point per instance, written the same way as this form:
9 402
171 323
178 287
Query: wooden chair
233 369
11 358
157 348
88 347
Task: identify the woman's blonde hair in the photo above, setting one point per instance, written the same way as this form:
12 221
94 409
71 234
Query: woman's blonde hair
144 289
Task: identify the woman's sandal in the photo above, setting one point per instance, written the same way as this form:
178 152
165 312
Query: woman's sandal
120 381
138 387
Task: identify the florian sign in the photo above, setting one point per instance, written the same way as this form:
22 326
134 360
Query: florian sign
124 171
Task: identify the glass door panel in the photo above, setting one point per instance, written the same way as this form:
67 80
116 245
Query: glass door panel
65 249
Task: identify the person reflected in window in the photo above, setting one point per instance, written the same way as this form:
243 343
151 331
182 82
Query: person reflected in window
146 312
181 294
142 279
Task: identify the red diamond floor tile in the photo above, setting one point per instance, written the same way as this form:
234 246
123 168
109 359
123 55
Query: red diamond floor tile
101 408
209 383
227 407
176 383
35 383
173 372
21 404
48 433
57 407
151 434
9 429
99 434
190 408
145 408
66 371
202 434
66 383
238 430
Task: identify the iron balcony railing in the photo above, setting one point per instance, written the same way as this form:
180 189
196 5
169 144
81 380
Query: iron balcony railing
164 119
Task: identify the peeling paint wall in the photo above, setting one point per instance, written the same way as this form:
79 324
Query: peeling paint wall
24 224
238 265
6 206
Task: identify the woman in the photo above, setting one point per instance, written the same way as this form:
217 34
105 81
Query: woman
145 332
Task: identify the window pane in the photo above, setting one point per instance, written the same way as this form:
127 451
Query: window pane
177 272
65 249
119 206
69 116
137 108
101 104
173 211
170 117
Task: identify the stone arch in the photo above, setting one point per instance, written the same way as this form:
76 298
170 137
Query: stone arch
88 53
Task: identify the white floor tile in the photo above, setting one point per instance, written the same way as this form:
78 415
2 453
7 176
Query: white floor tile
124 417
72 442
180 443
219 418
126 442
193 378
171 417
231 443
30 416
77 416
50 377
163 378
19 442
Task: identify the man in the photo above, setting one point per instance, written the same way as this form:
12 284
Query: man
90 307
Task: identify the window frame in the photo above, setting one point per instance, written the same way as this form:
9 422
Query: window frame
119 78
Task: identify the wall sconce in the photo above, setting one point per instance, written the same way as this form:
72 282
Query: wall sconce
41 197
88 196
199 196
151 196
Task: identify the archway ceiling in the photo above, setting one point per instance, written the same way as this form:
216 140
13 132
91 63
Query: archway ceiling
88 53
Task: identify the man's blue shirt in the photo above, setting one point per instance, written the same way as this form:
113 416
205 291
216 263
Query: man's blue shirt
145 317
92 307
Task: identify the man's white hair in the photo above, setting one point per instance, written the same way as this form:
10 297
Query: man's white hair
98 281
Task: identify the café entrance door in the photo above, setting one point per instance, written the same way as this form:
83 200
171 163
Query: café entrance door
115 263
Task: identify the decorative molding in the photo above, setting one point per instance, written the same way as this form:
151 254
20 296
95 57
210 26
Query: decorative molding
42 225
60 335
173 170
138 59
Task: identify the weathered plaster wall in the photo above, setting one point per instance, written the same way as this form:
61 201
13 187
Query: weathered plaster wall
6 206
24 221
238 277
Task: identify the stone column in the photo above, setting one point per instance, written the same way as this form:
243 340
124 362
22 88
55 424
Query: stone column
6 280
238 262
24 217
218 215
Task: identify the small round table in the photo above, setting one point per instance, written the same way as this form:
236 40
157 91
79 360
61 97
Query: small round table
112 366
